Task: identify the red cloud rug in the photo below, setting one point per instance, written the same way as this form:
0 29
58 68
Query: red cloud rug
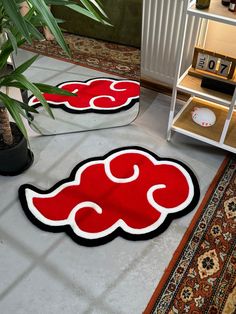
100 95
201 277
94 100
129 192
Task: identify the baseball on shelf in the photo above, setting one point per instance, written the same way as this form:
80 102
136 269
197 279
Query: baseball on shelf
203 116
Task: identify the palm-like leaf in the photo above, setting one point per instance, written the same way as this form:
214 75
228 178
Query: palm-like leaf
14 111
47 17
12 11
24 28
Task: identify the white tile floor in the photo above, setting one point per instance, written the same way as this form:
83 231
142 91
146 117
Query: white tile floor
48 273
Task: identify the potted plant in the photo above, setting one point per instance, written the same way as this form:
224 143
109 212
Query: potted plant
15 29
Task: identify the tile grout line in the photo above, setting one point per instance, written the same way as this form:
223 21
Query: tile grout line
129 268
47 266
28 252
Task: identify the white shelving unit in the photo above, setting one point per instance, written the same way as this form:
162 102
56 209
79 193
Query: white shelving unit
223 133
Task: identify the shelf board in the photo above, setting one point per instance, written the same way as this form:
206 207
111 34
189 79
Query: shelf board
216 12
200 74
230 138
184 121
192 85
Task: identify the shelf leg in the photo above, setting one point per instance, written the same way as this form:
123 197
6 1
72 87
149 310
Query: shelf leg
169 133
182 36
172 112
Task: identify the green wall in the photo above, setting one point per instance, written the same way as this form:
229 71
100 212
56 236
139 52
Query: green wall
125 16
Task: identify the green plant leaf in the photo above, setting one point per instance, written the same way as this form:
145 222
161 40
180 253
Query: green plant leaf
81 10
9 81
98 5
24 66
36 20
59 2
12 39
35 91
34 32
29 14
4 56
27 17
4 82
30 20
26 107
42 8
53 90
27 116
6 50
91 9
13 12
30 118
87 13
10 104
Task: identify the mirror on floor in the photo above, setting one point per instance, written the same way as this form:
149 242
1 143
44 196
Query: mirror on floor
104 71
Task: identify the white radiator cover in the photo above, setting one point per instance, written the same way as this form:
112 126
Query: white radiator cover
160 39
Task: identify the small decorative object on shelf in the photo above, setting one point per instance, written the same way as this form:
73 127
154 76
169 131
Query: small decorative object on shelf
202 4
203 116
212 62
232 5
225 2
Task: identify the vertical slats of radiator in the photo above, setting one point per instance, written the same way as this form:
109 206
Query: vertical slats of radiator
160 36
146 33
190 42
171 29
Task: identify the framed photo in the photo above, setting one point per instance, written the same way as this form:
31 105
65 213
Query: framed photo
213 62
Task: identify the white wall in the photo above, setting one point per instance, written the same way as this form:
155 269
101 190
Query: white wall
221 38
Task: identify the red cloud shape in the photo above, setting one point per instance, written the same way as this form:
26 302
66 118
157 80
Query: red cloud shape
100 94
130 189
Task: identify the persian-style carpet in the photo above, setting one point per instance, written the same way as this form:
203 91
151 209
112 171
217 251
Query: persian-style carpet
201 277
129 192
103 56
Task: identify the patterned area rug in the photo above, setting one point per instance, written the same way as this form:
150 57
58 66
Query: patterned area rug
201 277
92 53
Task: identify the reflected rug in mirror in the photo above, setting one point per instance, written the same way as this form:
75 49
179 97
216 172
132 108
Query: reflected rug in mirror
98 103
129 192
99 55
201 277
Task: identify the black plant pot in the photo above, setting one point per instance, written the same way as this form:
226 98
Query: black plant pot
16 159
